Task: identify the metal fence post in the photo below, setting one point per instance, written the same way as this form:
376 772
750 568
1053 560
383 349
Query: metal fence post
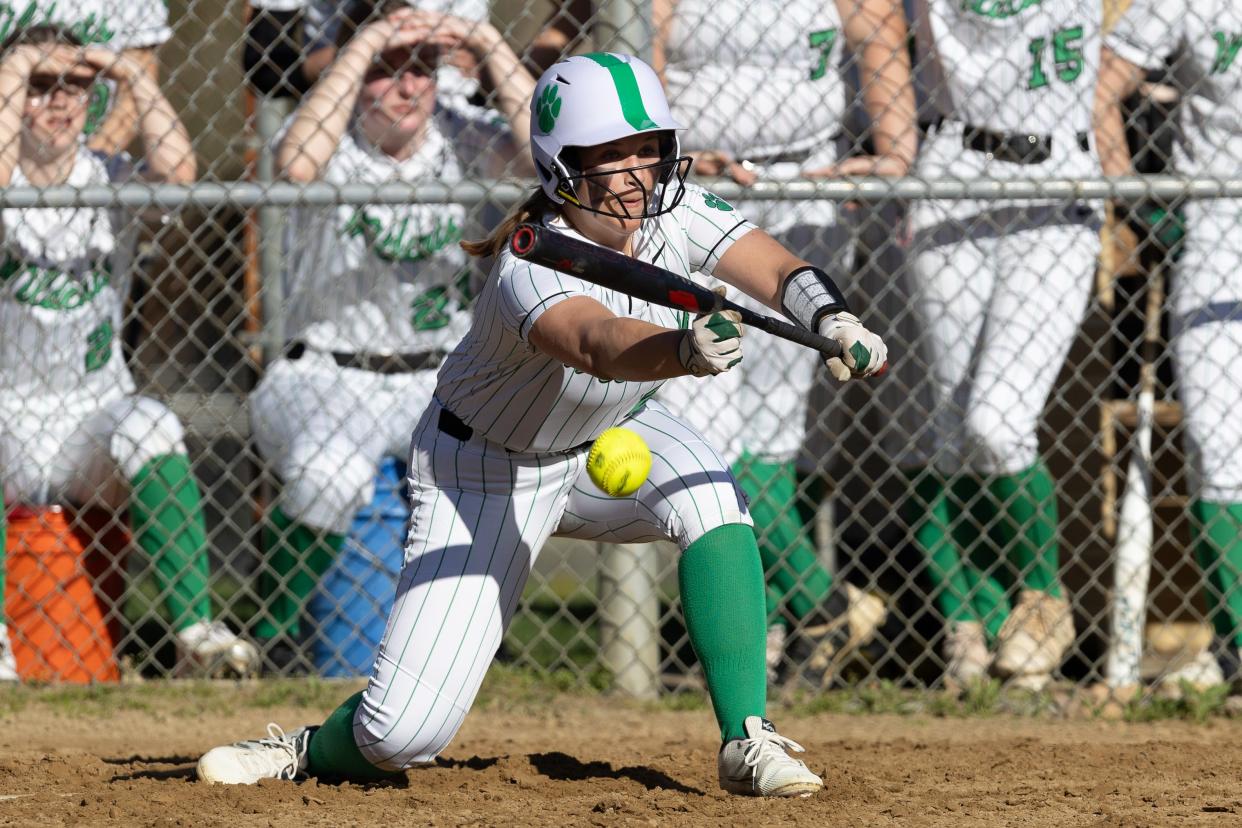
629 606
270 115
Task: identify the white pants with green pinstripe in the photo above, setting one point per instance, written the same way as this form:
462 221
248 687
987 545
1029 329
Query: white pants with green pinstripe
480 516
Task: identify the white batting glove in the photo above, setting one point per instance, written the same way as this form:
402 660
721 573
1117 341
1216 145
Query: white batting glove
713 344
863 354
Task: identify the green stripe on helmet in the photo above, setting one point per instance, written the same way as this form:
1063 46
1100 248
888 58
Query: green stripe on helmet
632 107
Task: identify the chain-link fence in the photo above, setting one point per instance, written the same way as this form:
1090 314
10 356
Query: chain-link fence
216 348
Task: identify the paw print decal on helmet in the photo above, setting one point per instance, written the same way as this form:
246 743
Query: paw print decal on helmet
548 108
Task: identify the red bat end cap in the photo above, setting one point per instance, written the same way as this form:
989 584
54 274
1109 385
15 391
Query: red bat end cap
523 241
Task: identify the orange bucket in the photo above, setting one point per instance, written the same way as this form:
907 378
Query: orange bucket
65 579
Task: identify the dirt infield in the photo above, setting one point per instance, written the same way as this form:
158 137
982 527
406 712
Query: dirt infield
591 761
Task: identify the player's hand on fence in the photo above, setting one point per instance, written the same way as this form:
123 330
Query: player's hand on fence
863 353
717 162
713 344
888 166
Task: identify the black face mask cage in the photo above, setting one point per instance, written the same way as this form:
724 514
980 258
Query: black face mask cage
656 202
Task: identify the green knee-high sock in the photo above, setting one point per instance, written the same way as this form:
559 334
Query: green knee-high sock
786 549
334 753
1217 530
1027 522
297 557
973 521
929 515
721 583
167 517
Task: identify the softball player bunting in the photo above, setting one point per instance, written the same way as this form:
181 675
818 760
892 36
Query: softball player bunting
71 428
498 458
1199 40
999 288
773 99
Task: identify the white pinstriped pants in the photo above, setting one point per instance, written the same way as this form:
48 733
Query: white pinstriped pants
480 516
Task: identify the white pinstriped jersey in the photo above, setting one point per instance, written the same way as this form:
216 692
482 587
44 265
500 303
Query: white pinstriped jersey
527 401
758 78
1024 66
63 279
1202 41
116 24
390 278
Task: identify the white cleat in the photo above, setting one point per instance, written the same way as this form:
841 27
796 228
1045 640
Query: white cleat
1035 637
966 654
8 662
1201 673
760 766
205 646
280 756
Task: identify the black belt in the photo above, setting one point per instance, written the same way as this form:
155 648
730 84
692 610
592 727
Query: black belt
377 363
1013 147
452 425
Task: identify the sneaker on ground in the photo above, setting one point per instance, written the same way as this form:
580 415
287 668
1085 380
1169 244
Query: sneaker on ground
8 662
846 624
210 645
280 756
760 765
965 653
1036 635
1203 672
775 653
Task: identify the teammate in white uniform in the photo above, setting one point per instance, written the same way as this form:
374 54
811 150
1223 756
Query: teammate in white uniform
132 28
1201 41
377 295
498 458
768 103
999 289
71 428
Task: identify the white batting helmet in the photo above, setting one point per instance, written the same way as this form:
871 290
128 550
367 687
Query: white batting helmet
592 99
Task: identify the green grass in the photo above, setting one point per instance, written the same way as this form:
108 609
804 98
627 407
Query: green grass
175 698
1195 705
522 690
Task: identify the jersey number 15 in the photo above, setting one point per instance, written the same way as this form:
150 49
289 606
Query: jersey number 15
1066 52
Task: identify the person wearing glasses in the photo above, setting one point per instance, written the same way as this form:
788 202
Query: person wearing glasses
377 294
72 428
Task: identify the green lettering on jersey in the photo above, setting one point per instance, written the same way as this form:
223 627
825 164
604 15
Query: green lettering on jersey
14 16
1227 46
822 40
428 310
998 9
98 347
1066 54
52 289
397 243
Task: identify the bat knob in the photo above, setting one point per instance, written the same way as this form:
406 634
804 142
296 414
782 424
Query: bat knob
883 370
523 240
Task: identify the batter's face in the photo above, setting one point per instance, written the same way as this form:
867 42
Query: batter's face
398 97
620 191
55 112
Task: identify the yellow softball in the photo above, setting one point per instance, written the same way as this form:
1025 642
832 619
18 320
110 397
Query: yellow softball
619 462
